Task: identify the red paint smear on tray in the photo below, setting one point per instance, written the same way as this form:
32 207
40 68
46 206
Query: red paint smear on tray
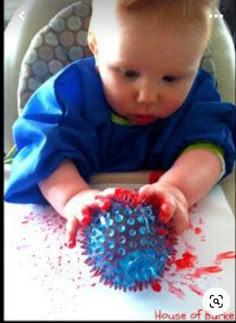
196 289
156 286
201 221
223 256
25 222
198 230
174 290
206 270
189 247
190 226
188 260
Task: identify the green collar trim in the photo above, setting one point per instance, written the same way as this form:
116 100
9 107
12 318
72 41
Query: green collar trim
119 120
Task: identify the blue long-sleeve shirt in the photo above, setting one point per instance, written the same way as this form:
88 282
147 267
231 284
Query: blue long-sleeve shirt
68 117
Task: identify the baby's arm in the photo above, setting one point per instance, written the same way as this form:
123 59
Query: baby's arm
67 192
190 178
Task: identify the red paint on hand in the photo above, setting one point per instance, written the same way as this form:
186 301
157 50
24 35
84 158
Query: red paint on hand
120 193
86 217
71 243
164 215
104 202
106 205
162 232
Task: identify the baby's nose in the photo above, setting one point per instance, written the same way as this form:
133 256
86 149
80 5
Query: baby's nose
147 95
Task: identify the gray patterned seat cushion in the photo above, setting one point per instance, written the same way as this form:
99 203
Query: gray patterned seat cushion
57 44
60 42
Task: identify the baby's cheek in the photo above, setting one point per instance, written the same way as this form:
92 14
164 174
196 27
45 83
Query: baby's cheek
175 105
168 108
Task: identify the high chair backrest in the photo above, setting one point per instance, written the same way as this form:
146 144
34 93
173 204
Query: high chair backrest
54 32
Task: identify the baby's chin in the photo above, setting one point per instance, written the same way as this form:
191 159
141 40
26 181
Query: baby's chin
142 120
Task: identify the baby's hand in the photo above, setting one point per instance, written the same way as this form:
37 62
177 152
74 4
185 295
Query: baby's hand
77 210
171 202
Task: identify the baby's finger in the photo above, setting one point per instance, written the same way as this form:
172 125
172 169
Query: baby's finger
150 195
72 226
162 201
103 201
146 191
108 192
105 198
167 210
180 221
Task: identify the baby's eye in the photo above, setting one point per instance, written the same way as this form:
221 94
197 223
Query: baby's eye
131 74
169 78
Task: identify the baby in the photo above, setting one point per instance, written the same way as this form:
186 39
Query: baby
141 102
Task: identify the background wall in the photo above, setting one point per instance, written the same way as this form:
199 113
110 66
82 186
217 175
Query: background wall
227 8
9 8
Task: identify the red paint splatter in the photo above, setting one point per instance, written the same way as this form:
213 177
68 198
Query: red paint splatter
198 230
46 237
174 290
93 285
196 289
187 261
189 246
156 286
71 243
192 208
224 255
190 227
206 270
201 221
22 247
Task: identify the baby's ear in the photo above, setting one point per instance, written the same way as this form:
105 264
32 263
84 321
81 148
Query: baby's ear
92 43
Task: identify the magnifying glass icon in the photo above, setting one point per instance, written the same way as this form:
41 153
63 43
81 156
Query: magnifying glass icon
216 301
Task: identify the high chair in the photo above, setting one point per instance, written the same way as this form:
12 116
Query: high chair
52 33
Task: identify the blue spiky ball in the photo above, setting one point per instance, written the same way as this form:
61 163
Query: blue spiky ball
123 246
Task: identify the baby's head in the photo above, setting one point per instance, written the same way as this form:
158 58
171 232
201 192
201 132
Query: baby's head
148 52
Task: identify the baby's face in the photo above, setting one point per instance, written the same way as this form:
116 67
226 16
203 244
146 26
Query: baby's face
147 72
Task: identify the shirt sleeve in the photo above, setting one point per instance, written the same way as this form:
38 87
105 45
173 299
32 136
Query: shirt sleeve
51 128
203 118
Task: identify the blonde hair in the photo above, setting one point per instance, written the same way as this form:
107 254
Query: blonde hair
193 15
